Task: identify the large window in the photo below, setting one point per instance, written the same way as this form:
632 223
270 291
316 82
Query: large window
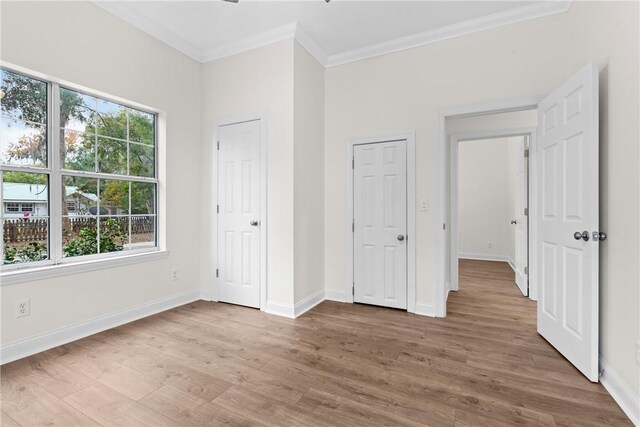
78 173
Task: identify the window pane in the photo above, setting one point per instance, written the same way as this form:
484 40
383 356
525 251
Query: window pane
25 217
77 111
114 197
22 143
112 156
79 236
23 98
142 160
113 233
79 151
141 127
82 194
111 120
143 200
143 231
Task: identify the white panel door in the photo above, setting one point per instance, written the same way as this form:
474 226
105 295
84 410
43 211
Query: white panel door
521 218
380 224
567 159
239 213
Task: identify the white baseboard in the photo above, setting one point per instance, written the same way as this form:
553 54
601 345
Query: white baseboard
280 309
26 347
425 309
512 264
335 295
295 310
483 257
207 296
621 392
308 303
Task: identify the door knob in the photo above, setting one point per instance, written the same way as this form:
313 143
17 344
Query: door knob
599 236
253 223
584 235
513 221
401 237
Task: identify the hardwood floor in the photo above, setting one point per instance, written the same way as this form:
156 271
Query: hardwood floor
338 365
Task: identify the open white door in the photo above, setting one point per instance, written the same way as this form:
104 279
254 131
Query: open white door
380 224
521 217
568 243
239 213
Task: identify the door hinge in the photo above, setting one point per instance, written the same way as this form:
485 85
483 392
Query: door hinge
353 289
217 272
444 226
526 270
218 145
526 152
353 226
217 208
526 211
353 163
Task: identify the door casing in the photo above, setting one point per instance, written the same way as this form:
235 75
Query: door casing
455 139
409 137
442 170
264 223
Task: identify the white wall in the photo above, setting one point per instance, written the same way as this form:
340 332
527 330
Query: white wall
259 81
406 89
486 199
80 43
308 174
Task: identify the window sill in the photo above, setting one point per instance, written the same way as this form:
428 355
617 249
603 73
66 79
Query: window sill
39 273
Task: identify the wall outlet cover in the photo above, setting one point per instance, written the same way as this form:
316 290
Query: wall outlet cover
23 308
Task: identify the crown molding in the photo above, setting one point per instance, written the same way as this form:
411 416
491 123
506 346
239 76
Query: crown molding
537 10
311 46
294 31
266 38
160 32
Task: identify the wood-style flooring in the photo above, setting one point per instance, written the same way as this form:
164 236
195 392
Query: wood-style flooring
337 365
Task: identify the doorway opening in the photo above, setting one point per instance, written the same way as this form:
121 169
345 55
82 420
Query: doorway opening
489 199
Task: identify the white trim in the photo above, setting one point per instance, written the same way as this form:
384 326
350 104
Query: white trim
441 177
424 309
484 257
453 142
410 137
28 346
335 295
311 46
308 303
31 274
264 222
624 396
266 38
280 309
507 17
293 31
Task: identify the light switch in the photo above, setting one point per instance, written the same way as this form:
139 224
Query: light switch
424 205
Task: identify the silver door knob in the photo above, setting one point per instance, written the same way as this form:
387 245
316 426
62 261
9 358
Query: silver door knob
401 237
253 223
513 221
584 235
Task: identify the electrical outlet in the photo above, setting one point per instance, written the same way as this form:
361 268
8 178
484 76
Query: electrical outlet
424 205
174 275
23 308
638 353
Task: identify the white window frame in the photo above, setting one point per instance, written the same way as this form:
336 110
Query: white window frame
57 264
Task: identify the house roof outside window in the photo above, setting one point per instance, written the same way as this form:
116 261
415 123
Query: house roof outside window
20 192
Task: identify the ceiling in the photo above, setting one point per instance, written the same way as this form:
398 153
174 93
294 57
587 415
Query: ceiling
336 32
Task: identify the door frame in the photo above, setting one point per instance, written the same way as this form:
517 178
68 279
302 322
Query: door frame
410 137
454 141
242 118
442 173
